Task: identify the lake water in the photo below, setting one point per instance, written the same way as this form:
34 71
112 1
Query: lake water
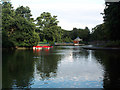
61 67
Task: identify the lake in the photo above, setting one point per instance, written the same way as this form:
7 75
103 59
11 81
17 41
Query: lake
61 67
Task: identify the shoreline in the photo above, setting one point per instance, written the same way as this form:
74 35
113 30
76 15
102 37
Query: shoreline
68 44
84 47
101 48
17 48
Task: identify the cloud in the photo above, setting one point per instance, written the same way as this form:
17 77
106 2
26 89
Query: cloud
71 13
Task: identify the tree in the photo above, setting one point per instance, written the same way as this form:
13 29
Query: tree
7 24
99 33
17 30
48 27
85 34
82 33
66 37
24 12
74 34
112 20
25 34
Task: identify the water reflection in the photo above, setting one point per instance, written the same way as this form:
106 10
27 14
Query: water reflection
17 69
77 68
67 67
61 67
46 64
111 62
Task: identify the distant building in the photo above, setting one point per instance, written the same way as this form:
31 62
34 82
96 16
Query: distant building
77 40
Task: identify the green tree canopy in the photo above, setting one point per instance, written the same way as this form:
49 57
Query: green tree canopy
82 33
112 20
99 33
24 12
48 27
16 29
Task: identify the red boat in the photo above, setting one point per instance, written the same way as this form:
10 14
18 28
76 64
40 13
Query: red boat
47 47
40 47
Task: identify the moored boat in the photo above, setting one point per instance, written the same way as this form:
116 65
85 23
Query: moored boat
34 47
41 47
38 47
47 47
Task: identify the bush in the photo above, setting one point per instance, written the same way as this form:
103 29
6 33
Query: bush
51 43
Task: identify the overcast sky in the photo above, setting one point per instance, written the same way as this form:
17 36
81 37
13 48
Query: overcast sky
70 13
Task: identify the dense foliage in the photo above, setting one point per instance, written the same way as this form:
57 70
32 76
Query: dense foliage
48 28
73 34
112 20
110 29
98 33
18 28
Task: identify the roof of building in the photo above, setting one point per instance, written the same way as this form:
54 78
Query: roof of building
77 39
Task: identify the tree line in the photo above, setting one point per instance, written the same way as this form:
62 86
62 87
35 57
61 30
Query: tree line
110 29
20 29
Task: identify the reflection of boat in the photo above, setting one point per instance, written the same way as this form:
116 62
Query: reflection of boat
37 47
34 47
47 47
41 47
76 44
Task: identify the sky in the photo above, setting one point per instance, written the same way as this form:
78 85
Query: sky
70 13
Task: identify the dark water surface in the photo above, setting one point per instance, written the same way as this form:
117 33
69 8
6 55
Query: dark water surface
61 67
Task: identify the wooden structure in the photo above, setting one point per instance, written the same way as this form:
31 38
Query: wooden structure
76 41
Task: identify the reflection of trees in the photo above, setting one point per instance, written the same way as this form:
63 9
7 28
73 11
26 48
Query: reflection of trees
111 62
47 65
17 69
78 52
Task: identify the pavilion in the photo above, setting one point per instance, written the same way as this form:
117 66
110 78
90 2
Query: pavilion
76 41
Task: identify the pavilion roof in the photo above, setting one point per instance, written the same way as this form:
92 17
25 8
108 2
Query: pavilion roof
77 39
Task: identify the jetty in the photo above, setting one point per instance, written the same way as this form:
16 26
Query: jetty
67 44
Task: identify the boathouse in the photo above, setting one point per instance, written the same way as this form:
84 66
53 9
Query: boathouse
77 40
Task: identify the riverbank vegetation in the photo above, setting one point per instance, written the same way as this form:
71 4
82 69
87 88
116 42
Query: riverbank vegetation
109 31
19 29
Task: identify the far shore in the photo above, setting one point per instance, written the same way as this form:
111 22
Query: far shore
89 47
19 48
101 48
